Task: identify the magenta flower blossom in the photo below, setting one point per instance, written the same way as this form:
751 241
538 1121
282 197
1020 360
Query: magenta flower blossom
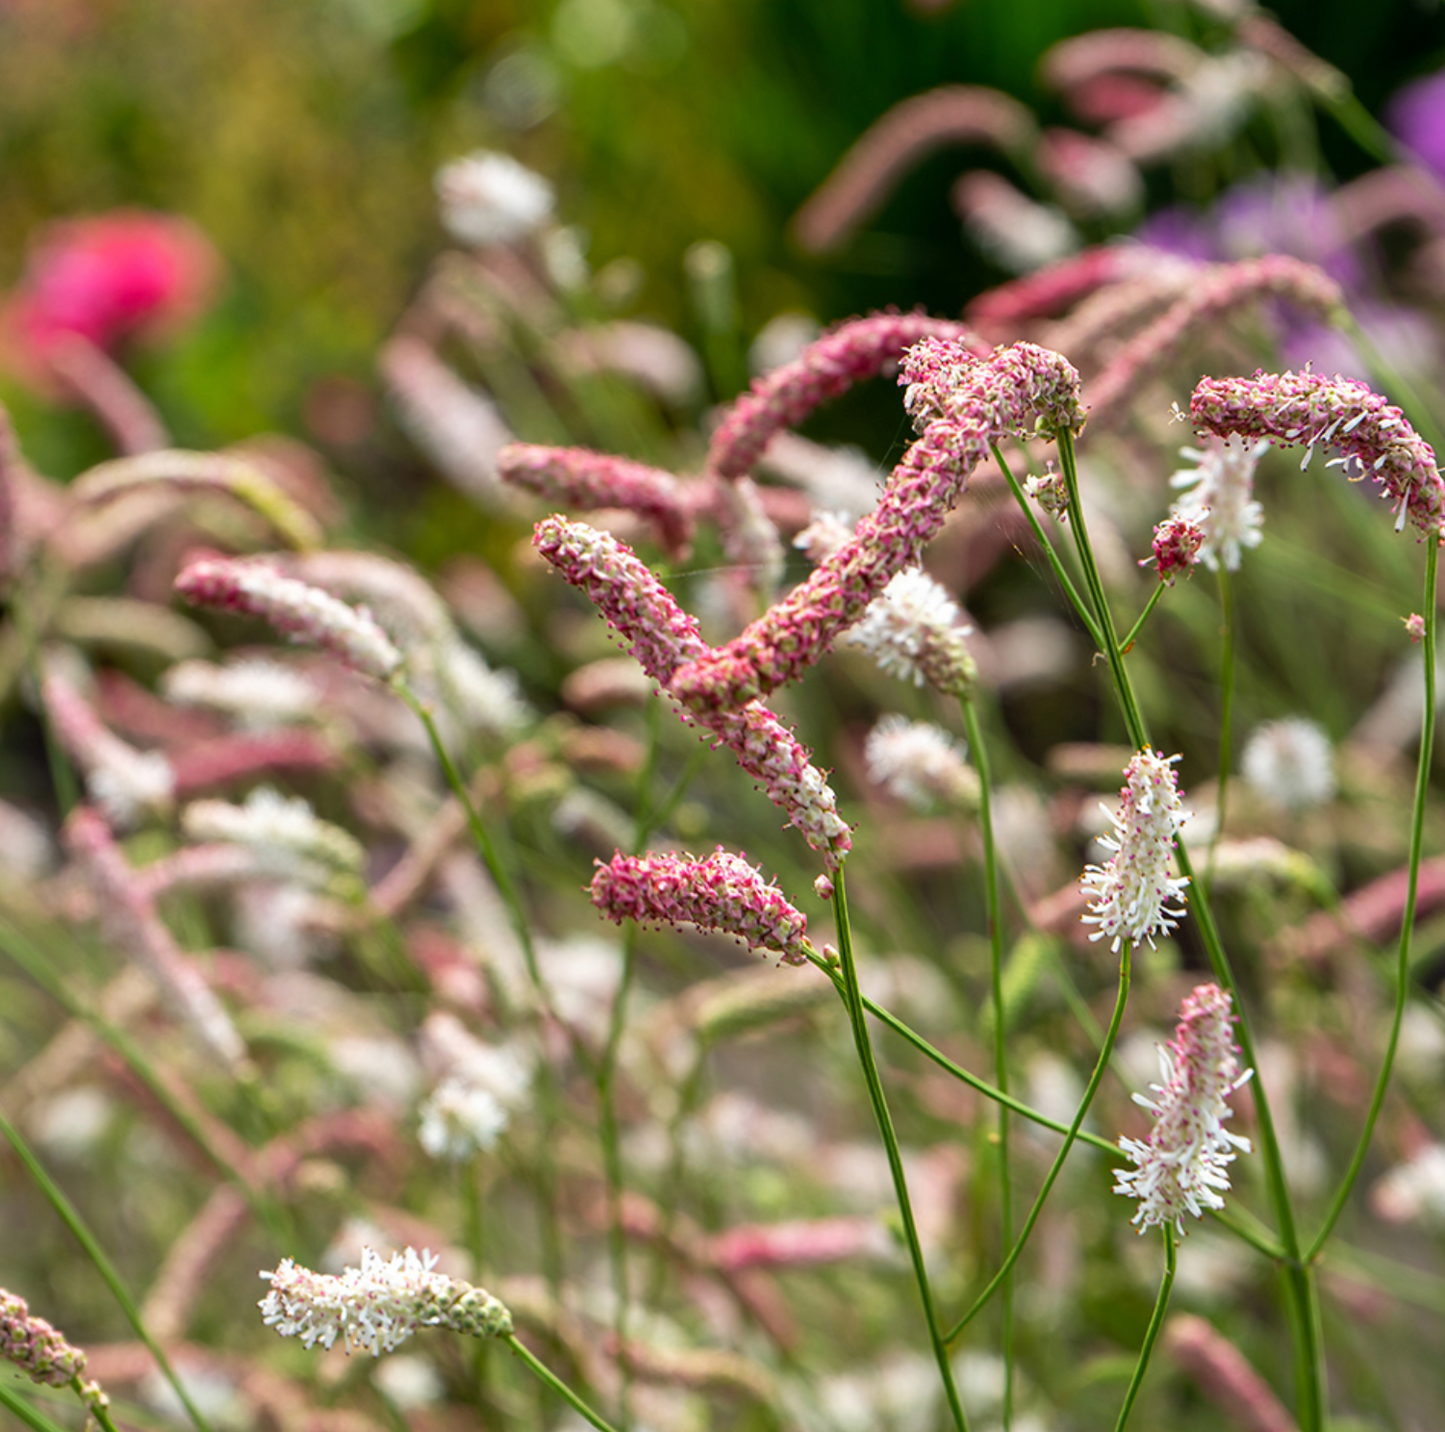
1417 115
1177 543
1372 434
1130 896
664 639
962 404
851 353
105 278
1182 1167
43 1353
721 893
580 478
304 613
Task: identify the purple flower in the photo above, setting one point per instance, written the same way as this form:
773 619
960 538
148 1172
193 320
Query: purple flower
1416 115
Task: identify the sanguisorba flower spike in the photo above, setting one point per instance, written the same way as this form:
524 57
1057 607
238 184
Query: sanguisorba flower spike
1182 1167
1372 435
1133 897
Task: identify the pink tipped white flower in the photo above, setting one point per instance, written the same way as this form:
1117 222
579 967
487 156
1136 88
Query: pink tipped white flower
489 198
1183 1166
580 478
377 1306
961 404
1220 499
920 763
1177 544
1290 763
1133 896
1371 434
851 353
304 613
720 893
915 631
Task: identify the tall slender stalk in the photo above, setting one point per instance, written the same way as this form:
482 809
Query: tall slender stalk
1151 1335
1227 663
853 1000
550 1379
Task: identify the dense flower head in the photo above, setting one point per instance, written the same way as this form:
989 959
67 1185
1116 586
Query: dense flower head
914 631
1177 544
459 1118
375 1307
1290 763
1220 499
304 613
1371 434
284 832
920 763
1131 897
1182 1167
826 368
105 278
721 893
581 478
966 403
40 1351
489 198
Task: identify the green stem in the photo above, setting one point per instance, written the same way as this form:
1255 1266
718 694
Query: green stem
501 874
853 1000
1309 1365
1402 956
551 1380
107 1270
979 750
1095 1079
1054 560
1226 710
1154 597
31 1416
1151 1336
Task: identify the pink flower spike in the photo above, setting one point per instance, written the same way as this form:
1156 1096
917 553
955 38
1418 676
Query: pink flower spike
1130 897
579 478
721 893
304 613
851 353
1183 1165
1341 413
1415 627
961 403
1177 541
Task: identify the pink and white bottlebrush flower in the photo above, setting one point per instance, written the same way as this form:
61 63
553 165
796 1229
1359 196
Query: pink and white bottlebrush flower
914 631
722 893
1290 763
1133 896
1371 435
1183 1166
921 764
1220 499
377 1306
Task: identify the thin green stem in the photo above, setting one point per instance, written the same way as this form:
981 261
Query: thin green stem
80 1230
498 869
1054 560
1407 927
979 750
1227 671
1095 1079
1151 1335
1154 599
30 1415
551 1380
853 1000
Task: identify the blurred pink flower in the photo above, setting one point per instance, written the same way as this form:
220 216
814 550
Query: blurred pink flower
104 279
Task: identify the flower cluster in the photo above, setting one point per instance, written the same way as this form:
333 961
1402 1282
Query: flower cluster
721 892
375 1307
1182 1167
1178 542
1220 500
1131 897
42 1352
914 632
920 764
1307 408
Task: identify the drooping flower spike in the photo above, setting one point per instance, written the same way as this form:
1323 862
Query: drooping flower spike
1182 1167
961 404
1371 434
721 892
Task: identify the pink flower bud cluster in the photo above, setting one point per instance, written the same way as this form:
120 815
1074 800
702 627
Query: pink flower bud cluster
963 404
580 478
852 353
304 613
1310 409
664 638
721 893
1183 1165
1177 542
41 1352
